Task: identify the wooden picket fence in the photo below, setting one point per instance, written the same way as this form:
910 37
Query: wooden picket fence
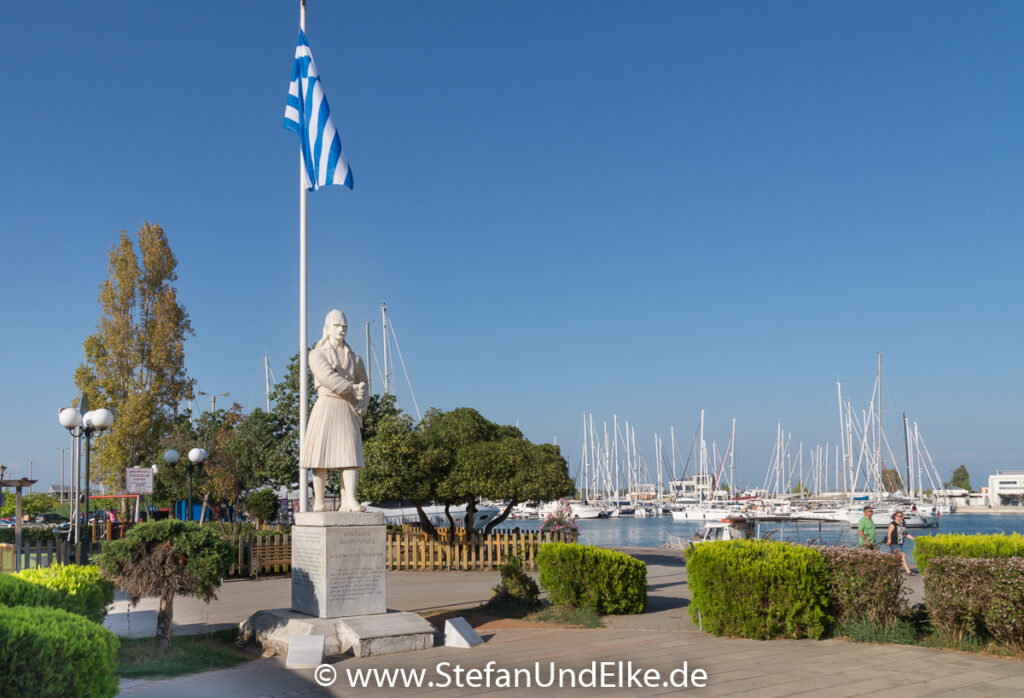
36 554
414 550
241 567
410 549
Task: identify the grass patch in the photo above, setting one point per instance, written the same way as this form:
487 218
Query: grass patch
188 654
915 629
899 632
567 615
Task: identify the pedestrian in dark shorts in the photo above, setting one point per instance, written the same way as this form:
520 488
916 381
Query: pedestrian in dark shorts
895 537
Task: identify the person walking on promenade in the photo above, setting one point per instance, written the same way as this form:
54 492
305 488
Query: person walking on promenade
894 539
866 529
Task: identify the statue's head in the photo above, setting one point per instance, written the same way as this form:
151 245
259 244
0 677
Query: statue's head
335 326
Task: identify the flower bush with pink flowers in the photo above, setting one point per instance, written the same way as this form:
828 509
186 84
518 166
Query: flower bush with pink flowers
560 520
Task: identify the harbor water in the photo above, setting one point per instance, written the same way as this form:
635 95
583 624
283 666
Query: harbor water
654 532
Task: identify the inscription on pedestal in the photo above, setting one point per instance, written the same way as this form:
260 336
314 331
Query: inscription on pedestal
339 570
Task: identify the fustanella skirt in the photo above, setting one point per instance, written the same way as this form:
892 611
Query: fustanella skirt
332 435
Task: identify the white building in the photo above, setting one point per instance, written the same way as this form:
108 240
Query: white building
1006 488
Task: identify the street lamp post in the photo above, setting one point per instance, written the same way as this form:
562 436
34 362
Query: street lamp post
195 459
85 425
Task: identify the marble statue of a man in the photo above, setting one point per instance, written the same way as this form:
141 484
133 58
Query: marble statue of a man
332 435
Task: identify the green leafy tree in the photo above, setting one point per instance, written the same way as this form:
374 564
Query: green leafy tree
165 559
459 457
511 469
400 467
135 361
891 480
800 488
261 505
31 504
961 478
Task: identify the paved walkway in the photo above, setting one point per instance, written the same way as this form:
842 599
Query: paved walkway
662 639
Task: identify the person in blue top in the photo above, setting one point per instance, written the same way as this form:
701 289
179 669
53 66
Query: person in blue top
894 539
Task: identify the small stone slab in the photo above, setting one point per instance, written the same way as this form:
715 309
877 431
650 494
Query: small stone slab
305 651
385 633
459 633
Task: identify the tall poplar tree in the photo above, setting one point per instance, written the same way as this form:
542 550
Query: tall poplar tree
135 361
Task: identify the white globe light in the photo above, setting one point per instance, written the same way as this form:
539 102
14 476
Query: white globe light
69 417
171 457
197 455
102 418
87 419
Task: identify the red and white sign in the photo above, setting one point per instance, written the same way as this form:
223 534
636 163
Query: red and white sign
139 481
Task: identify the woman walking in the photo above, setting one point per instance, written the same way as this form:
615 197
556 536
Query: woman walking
895 537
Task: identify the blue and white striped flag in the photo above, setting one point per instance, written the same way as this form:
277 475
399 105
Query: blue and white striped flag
307 114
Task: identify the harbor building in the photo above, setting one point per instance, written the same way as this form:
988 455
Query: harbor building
1006 488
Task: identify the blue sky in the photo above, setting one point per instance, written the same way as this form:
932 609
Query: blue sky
633 208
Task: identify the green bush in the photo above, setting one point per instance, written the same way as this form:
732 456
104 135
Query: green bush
516 587
85 590
758 589
15 591
50 652
864 585
587 577
976 598
962 545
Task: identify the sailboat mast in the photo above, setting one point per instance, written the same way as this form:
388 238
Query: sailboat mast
615 447
584 488
908 485
369 365
266 381
732 459
672 437
878 425
384 320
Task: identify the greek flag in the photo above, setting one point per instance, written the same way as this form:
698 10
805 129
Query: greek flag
307 114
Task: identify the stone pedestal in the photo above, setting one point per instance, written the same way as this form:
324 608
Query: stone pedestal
338 564
339 591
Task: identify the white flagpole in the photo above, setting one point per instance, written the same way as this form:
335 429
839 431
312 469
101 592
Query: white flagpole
303 387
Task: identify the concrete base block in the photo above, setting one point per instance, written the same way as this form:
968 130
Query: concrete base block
363 636
385 634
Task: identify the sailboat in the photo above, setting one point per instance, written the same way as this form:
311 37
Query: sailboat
706 509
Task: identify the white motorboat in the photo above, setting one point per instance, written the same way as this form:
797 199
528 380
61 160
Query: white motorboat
434 512
582 510
728 528
705 513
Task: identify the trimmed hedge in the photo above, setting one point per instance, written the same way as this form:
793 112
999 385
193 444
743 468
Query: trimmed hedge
84 589
585 576
971 597
15 591
758 589
864 584
50 652
967 546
